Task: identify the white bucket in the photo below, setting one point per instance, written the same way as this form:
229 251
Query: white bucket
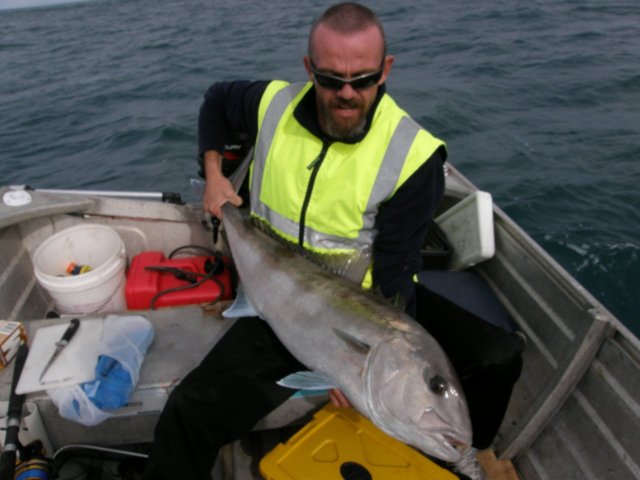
99 290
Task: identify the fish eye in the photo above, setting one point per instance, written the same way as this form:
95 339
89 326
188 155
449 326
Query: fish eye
438 385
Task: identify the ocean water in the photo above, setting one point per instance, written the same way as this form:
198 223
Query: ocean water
539 102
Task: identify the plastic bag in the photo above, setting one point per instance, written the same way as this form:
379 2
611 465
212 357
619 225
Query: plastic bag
122 348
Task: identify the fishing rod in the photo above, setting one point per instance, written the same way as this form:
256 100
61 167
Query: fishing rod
14 413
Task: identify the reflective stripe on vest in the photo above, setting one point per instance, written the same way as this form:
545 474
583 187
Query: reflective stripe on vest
268 123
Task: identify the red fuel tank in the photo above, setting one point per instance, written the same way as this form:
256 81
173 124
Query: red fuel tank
154 281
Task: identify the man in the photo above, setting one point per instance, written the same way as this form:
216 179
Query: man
338 166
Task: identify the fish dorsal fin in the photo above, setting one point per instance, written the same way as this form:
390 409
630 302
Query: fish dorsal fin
355 344
352 266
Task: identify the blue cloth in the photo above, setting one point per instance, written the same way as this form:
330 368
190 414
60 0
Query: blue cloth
112 385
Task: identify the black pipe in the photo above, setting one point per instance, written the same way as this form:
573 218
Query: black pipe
14 414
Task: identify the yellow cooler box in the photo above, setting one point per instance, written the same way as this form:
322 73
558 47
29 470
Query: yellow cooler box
341 444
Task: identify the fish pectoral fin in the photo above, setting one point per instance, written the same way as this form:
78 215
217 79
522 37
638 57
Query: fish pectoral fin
307 381
354 343
241 306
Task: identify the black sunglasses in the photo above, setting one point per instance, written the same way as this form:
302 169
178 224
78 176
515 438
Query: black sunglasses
337 83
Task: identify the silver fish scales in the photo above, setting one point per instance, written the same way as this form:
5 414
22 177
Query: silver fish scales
389 367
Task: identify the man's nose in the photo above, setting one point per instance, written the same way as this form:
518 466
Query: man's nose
346 92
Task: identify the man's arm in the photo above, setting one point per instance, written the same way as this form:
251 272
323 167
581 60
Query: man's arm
402 224
229 112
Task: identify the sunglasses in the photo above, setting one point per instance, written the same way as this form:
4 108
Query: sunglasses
332 82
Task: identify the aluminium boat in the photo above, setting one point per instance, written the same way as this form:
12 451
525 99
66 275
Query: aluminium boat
574 413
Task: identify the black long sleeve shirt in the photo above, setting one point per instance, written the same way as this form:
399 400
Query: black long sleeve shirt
230 112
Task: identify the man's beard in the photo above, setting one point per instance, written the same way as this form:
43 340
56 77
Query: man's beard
336 129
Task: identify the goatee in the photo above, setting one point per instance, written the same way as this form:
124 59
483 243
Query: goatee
338 130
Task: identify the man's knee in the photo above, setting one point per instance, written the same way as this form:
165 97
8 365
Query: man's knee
505 356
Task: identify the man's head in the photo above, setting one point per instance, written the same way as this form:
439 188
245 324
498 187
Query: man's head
347 61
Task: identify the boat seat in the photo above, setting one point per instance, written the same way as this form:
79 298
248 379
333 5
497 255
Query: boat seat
468 290
41 205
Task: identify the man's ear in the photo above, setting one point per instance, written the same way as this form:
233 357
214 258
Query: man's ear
386 68
307 66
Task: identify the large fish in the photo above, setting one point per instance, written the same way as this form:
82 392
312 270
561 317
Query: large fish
389 367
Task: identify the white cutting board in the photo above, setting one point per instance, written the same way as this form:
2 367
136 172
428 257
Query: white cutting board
75 364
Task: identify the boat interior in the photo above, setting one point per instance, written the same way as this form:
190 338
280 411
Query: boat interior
574 408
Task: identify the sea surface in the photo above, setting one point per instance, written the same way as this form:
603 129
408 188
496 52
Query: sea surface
538 100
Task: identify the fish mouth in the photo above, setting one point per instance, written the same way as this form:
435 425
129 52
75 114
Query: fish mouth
449 448
448 441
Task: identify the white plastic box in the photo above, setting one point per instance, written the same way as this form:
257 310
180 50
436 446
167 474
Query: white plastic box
468 226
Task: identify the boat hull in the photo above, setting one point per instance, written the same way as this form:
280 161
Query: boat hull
574 412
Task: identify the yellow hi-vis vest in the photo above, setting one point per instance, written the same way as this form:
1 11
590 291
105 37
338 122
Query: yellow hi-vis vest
325 197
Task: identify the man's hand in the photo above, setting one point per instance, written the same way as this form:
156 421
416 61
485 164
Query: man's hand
338 399
218 189
217 192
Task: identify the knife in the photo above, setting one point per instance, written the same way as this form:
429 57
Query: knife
60 344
